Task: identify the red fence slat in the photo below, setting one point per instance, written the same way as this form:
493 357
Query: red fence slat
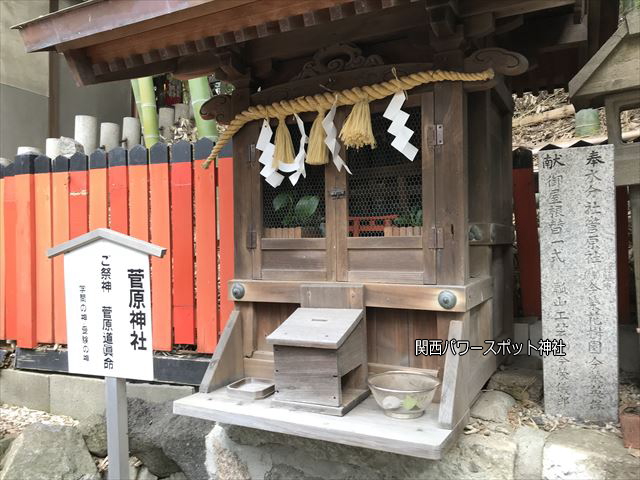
206 248
160 215
3 256
44 239
524 208
118 190
11 329
98 186
25 234
225 198
182 238
78 195
60 217
173 203
138 193
9 267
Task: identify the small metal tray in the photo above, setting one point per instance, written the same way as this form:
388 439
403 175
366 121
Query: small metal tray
251 388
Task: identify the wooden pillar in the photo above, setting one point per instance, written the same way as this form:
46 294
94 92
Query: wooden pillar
634 198
451 217
622 254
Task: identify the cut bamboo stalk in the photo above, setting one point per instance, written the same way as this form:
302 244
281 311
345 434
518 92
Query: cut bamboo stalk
135 86
200 93
149 112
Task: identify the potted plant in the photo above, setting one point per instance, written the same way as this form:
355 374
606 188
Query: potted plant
406 225
298 217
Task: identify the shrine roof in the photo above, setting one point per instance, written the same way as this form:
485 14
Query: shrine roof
615 67
106 40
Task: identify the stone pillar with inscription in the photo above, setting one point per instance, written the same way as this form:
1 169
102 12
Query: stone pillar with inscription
579 291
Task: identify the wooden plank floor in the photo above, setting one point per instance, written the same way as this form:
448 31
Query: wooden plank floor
365 426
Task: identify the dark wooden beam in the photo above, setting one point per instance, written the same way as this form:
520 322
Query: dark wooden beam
543 34
54 85
508 8
354 29
80 67
166 368
602 19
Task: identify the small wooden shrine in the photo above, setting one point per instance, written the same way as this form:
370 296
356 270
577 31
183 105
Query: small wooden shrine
415 235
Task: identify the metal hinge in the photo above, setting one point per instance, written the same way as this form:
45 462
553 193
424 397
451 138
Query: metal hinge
435 135
252 239
436 238
336 193
252 152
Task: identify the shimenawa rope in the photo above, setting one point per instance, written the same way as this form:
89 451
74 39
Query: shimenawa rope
324 101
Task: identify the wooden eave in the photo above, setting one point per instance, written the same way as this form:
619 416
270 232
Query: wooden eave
615 67
105 40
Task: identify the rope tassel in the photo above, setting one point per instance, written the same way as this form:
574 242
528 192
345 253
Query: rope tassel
357 131
317 153
284 145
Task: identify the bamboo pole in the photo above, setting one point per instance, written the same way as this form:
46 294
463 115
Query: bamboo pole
555 114
135 86
149 112
200 93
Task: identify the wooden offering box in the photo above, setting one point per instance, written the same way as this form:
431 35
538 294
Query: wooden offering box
320 360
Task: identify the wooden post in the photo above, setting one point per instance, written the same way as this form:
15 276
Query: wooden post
227 228
634 197
117 428
622 253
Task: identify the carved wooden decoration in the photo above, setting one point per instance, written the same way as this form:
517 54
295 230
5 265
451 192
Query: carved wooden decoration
337 58
219 108
502 61
335 82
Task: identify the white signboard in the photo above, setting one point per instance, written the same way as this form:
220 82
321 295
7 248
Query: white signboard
108 303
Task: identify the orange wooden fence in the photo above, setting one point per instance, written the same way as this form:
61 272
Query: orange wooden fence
161 195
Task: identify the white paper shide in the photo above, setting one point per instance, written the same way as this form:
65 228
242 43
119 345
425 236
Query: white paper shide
398 127
108 304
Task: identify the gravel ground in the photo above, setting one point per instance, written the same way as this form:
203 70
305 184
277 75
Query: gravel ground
14 419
